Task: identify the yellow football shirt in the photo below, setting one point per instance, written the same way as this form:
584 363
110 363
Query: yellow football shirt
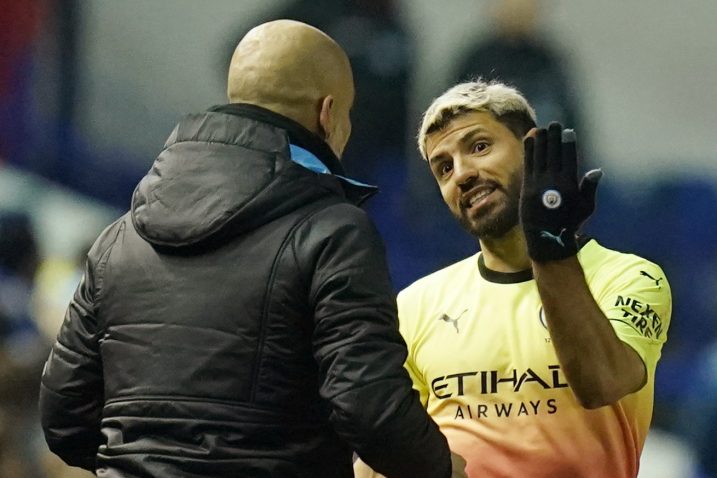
481 357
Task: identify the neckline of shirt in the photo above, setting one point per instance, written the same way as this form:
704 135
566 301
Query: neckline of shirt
502 277
515 277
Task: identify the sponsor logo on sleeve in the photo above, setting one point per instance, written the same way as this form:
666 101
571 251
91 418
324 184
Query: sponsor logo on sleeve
641 316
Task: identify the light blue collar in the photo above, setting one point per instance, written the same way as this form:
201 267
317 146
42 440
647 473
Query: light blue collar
309 160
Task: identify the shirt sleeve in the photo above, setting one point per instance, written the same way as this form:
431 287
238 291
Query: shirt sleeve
636 298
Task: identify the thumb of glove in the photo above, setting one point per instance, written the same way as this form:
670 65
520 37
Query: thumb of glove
588 188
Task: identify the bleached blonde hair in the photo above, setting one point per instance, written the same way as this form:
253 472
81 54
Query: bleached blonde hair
504 102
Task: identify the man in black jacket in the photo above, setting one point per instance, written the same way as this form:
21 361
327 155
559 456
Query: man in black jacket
239 320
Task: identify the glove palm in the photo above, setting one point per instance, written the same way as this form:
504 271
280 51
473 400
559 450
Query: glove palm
553 205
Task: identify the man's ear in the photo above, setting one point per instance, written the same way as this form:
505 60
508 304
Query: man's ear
326 117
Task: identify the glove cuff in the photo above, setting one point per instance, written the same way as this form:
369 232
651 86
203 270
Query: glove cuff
546 245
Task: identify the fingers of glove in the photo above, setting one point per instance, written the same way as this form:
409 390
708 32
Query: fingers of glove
540 162
529 147
569 153
554 146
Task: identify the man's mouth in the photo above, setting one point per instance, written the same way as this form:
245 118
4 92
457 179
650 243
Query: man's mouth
477 197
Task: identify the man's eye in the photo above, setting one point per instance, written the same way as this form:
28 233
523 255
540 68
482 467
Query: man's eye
445 168
480 146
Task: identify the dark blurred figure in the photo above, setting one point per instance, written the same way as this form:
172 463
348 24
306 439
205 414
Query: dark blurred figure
381 54
38 128
19 24
22 349
515 53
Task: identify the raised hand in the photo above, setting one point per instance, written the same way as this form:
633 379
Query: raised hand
553 205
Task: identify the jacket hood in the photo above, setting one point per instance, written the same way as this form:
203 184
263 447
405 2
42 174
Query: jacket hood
224 173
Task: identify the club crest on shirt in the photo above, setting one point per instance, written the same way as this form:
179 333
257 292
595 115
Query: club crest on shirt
541 316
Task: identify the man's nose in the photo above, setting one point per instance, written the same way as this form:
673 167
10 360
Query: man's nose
465 172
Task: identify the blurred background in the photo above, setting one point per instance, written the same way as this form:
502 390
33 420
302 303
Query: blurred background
89 91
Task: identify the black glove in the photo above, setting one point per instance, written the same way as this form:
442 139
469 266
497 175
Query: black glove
552 205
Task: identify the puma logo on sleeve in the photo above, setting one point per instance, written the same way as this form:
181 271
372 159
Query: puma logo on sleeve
657 281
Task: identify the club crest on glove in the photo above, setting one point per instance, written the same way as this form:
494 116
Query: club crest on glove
552 199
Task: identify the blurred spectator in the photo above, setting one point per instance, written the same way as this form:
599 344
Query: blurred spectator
18 27
515 53
38 131
22 349
55 284
381 55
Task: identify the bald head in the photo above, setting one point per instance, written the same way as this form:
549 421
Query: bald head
297 71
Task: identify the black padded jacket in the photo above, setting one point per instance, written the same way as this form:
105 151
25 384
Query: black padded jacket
239 321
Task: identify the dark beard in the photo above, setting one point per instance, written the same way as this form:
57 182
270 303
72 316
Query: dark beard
498 224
